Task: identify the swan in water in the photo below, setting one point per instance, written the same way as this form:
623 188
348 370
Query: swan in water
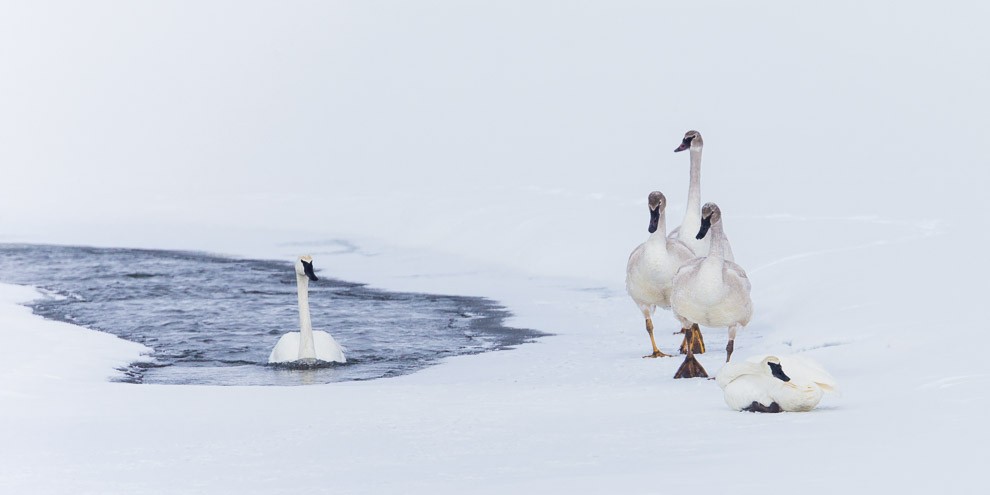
772 384
652 266
306 346
692 214
711 291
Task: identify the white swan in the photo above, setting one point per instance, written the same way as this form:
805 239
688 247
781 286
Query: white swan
652 265
306 346
711 291
772 384
692 214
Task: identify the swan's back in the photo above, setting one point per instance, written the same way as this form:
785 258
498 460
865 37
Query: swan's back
287 348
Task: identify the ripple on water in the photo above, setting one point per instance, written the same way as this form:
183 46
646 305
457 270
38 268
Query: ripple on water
214 320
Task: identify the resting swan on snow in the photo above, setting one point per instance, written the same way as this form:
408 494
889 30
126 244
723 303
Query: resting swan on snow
652 266
711 291
306 346
772 384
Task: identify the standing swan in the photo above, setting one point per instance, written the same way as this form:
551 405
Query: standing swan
306 346
711 291
772 384
652 265
692 214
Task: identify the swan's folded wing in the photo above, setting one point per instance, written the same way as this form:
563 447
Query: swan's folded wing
733 370
737 271
803 369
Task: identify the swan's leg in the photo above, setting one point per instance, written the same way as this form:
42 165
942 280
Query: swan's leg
697 344
691 368
649 329
732 339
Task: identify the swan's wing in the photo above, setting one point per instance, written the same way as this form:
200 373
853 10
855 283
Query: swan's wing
687 268
635 254
733 370
803 369
675 234
727 249
678 249
734 270
286 350
327 348
634 258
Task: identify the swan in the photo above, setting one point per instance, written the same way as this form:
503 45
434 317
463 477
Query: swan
692 214
306 346
711 291
652 265
772 384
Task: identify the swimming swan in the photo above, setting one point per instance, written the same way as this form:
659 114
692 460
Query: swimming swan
652 266
772 384
692 214
711 291
306 346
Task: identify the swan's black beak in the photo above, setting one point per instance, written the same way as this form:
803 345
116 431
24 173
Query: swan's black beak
685 144
654 219
308 268
778 372
706 223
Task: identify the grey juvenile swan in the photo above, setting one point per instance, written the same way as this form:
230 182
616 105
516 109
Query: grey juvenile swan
711 291
652 265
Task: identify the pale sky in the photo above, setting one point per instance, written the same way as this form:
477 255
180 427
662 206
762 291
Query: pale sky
206 111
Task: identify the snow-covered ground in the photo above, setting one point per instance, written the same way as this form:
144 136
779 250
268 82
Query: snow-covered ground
506 150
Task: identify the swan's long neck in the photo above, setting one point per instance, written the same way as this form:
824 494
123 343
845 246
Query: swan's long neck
307 348
716 251
692 215
660 235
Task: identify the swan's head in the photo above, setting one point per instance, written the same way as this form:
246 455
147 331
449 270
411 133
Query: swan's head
304 267
772 365
692 139
657 202
710 215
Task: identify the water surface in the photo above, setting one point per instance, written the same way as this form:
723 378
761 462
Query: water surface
214 320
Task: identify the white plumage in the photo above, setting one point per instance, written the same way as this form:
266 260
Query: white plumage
306 346
713 291
652 265
797 384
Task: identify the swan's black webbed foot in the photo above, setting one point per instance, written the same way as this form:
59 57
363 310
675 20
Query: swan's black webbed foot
691 368
757 407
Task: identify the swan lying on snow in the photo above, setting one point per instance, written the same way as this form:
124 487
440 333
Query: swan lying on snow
652 265
772 384
306 346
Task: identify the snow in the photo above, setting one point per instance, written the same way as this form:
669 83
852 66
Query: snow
506 150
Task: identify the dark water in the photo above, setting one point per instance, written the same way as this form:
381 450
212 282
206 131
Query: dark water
214 320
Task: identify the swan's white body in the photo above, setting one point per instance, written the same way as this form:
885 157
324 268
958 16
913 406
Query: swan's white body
713 291
651 268
306 345
652 265
692 214
753 381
